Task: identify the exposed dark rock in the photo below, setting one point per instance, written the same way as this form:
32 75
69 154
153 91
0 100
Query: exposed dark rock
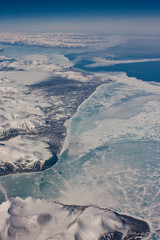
43 219
112 236
10 168
70 94
81 222
136 229
50 162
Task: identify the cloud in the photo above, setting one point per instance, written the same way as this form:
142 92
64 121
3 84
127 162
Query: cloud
101 62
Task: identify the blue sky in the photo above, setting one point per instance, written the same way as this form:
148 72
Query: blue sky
21 14
23 8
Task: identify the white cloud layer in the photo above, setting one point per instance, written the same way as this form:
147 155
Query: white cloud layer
102 62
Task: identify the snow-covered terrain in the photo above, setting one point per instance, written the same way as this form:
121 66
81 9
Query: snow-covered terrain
61 40
37 63
38 219
38 96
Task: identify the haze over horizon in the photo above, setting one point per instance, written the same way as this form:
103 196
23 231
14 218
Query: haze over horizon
118 17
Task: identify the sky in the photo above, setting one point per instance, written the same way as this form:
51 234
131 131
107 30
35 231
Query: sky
21 15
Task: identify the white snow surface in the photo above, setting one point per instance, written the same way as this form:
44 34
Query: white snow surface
38 62
40 219
21 111
24 151
62 40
